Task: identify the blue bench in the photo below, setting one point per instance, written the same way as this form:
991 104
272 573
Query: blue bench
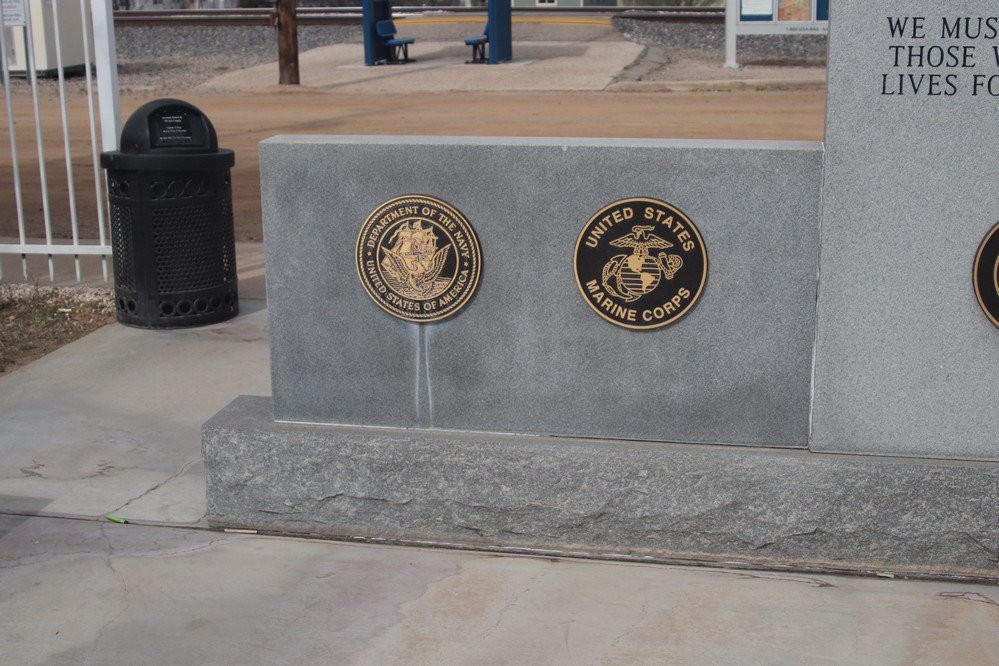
478 45
396 47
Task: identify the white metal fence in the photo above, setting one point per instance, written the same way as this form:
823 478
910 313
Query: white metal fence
56 37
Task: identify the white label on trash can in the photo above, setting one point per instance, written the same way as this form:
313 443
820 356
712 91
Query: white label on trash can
13 14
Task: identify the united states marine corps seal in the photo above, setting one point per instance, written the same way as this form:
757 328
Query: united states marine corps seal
640 263
986 275
418 258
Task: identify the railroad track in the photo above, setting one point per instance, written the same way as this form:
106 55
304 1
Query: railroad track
352 15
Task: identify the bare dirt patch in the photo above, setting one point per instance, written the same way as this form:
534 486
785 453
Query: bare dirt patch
36 320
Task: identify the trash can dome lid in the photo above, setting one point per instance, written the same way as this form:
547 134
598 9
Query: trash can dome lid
168 126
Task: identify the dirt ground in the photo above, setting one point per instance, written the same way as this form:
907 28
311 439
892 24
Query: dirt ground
36 320
242 120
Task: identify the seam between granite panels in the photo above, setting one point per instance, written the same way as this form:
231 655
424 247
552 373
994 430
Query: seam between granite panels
490 434
499 439
541 142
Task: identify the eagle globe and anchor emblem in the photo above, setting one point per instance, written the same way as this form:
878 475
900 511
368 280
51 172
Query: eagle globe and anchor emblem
658 277
418 258
631 276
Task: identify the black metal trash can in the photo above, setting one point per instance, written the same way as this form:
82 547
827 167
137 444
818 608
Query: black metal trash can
171 219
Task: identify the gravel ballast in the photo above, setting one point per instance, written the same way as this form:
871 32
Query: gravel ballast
709 39
175 58
181 57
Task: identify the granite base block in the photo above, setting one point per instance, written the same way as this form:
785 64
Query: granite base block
642 498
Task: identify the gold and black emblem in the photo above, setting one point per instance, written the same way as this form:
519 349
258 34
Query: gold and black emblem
986 275
640 263
418 258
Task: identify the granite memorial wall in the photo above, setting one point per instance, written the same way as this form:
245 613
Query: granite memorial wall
771 351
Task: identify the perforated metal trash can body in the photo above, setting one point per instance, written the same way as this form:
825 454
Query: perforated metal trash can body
171 219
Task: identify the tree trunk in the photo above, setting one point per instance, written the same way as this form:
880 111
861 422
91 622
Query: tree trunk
287 42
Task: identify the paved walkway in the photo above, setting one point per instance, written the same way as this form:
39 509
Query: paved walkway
80 592
587 55
110 423
440 67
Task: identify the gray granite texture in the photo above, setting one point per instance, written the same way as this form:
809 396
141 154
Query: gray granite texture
597 496
527 355
906 362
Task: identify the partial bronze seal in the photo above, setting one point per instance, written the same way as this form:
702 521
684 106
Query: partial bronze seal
986 275
418 258
640 263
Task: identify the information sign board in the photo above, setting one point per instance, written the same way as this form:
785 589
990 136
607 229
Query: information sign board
13 14
772 17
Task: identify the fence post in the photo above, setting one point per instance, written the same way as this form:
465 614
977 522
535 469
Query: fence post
106 62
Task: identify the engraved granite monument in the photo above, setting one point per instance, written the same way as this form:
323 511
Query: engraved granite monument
677 350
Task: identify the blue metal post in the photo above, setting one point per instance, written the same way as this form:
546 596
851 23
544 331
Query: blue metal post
500 31
373 11
822 10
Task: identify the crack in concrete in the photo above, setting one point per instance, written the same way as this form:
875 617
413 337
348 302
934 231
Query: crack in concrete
643 612
118 577
186 551
514 601
970 596
165 552
566 628
808 580
159 485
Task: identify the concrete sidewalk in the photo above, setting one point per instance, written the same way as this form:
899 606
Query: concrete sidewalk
111 423
77 592
440 67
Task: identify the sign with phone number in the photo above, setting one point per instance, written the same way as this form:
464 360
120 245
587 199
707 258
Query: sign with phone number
13 14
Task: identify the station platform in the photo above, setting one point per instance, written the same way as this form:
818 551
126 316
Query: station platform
440 67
